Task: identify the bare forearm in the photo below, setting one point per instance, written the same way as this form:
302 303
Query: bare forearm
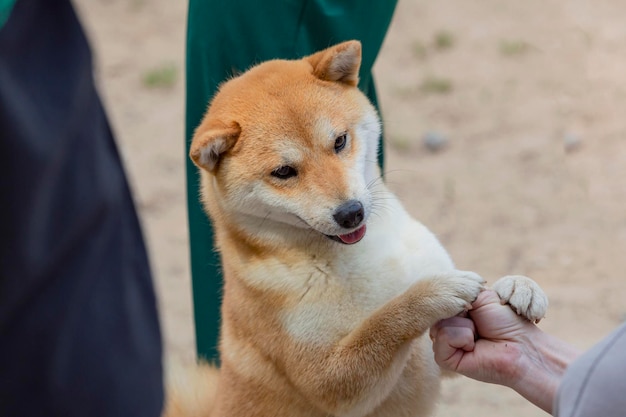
542 365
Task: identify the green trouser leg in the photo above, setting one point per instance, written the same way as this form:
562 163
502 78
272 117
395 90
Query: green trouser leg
226 37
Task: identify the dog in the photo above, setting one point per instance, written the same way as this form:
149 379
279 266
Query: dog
330 287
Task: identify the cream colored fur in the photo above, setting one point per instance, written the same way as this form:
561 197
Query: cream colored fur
312 326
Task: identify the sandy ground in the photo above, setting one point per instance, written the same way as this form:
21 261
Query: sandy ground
529 98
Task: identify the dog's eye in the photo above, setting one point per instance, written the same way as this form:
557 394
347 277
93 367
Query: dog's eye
341 142
284 172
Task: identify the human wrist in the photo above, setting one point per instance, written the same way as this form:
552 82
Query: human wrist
542 363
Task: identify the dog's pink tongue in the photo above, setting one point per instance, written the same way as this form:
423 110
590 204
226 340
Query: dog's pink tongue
350 238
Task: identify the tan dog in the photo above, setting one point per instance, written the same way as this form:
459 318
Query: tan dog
330 286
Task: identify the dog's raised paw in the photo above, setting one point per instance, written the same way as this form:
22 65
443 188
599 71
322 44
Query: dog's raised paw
460 289
471 284
524 296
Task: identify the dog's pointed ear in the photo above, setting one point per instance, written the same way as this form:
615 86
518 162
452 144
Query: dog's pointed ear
210 141
338 63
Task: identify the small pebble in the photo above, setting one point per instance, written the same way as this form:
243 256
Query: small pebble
571 142
435 141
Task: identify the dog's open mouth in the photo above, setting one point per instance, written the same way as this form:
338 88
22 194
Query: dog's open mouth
350 238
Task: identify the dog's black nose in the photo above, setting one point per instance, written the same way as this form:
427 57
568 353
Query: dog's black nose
350 214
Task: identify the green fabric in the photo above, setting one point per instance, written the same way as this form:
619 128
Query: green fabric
5 10
226 37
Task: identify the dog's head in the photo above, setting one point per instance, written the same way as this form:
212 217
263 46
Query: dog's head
293 142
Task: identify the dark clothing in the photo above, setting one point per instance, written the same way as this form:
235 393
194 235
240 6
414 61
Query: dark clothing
595 384
79 334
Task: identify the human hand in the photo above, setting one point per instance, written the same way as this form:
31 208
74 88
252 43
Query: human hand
485 346
493 344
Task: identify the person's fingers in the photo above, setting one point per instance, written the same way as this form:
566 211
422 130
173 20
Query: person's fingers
451 339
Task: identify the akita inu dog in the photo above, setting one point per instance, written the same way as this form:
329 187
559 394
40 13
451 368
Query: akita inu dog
329 285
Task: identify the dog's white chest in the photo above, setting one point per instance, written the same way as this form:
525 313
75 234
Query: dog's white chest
396 252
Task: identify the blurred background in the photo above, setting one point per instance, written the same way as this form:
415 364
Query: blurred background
505 131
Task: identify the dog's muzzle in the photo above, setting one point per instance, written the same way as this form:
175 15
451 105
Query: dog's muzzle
350 215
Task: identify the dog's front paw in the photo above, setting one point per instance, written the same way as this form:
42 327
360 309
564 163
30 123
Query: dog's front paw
523 295
457 291
469 285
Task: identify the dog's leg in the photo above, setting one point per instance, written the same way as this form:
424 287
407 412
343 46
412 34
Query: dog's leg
523 295
358 372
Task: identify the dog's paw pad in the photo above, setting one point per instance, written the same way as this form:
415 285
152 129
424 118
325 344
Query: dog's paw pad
524 295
